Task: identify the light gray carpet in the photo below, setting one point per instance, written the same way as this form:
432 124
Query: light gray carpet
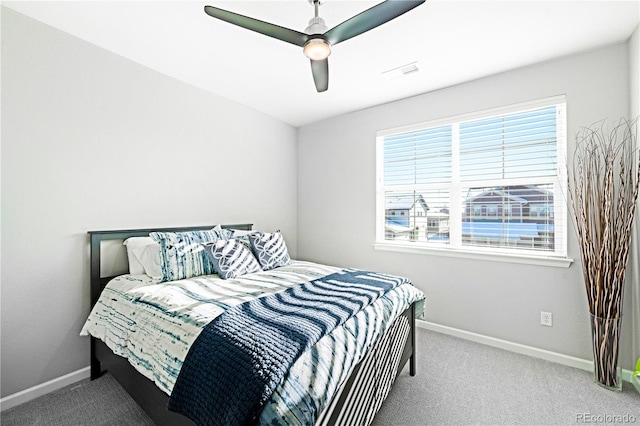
101 402
458 383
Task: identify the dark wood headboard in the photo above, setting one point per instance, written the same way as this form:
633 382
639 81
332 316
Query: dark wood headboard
96 237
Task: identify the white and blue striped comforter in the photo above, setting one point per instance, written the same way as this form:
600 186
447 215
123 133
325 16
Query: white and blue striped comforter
154 324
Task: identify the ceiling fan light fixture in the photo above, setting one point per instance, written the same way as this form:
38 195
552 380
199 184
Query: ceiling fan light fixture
317 49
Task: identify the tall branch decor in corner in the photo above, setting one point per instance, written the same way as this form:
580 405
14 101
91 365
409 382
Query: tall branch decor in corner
604 190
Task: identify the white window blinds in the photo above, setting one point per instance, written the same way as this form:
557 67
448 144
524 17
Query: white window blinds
492 181
514 146
418 157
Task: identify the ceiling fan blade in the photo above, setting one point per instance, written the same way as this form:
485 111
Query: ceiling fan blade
369 19
320 70
266 28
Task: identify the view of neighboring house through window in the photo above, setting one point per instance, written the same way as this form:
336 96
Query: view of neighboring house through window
494 180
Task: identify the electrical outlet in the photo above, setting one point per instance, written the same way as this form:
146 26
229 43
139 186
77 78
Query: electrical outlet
546 318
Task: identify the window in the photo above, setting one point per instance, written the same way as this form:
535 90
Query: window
492 182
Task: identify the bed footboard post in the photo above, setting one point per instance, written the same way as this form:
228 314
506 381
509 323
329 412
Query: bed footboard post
412 359
96 368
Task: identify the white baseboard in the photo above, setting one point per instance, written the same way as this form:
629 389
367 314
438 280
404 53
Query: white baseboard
43 389
556 357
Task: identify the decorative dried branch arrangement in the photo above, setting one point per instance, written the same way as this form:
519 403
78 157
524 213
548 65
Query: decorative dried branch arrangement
604 191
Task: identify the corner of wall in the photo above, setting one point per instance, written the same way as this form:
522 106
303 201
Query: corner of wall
633 46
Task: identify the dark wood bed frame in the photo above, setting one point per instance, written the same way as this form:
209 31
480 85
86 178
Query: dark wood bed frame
355 404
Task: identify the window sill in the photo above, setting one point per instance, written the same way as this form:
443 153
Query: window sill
557 262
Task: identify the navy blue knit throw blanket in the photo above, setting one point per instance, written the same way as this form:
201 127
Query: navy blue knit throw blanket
238 360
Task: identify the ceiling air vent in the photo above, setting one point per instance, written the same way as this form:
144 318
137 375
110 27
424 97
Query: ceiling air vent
401 71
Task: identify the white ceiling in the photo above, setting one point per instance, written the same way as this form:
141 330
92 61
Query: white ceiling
452 41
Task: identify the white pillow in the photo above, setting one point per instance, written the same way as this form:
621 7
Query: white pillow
134 244
149 257
242 232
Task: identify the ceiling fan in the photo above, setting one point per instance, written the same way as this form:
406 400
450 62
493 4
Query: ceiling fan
316 41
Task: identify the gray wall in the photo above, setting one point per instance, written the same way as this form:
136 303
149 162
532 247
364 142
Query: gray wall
93 141
337 192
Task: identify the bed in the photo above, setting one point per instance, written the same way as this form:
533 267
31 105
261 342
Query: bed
375 343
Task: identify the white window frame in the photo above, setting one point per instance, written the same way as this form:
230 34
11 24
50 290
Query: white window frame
558 258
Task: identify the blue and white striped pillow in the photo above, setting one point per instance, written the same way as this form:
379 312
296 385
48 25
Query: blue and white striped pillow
270 249
182 253
231 258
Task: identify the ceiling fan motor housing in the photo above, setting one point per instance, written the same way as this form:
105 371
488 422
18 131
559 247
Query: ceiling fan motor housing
316 26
